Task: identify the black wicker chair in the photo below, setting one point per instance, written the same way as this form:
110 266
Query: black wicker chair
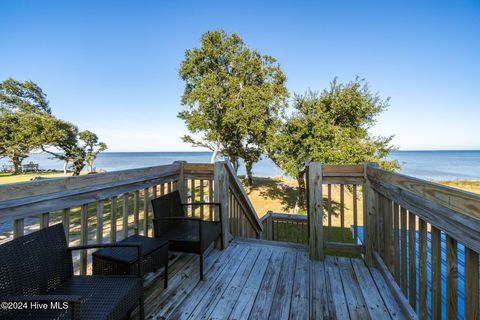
184 234
38 268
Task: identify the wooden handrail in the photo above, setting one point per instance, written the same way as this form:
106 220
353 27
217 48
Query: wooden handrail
72 198
236 184
404 211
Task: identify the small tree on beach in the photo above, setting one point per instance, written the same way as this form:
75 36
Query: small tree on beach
331 127
233 97
92 147
77 148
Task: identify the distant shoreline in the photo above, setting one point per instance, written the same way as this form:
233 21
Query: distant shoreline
427 165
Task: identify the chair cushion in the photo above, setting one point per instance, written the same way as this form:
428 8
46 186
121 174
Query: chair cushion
103 297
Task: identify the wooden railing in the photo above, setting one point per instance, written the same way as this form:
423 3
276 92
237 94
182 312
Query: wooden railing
415 220
108 207
103 207
244 221
285 227
416 232
334 208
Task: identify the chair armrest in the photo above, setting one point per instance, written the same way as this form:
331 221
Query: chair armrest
116 245
73 300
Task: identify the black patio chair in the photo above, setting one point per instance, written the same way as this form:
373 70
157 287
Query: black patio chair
38 268
185 234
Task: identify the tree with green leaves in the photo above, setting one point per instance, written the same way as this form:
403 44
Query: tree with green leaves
77 148
233 96
331 127
92 147
24 120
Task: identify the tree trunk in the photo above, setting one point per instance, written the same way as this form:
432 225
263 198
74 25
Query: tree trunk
248 178
17 164
78 167
215 152
65 167
90 166
301 191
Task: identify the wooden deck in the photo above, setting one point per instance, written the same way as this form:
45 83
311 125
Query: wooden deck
255 279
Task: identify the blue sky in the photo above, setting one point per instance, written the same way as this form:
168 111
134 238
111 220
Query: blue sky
112 66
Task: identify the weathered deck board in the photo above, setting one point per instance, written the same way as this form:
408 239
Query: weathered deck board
260 281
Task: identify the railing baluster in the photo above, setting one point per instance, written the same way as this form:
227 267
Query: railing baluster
113 219
18 228
201 199
381 226
100 213
388 234
83 238
452 275
436 273
329 209
396 243
125 216
136 210
194 196
403 236
154 192
423 268
66 223
342 212
355 222
162 189
145 211
44 220
471 284
412 259
210 198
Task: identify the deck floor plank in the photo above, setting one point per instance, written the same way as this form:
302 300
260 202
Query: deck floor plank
195 296
353 294
387 296
282 297
335 294
234 274
300 307
320 306
220 308
246 298
374 302
263 280
183 283
263 300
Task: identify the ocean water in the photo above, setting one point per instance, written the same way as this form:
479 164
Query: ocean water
429 165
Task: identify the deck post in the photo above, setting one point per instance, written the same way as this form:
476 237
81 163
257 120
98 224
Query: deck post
315 210
369 216
221 195
181 181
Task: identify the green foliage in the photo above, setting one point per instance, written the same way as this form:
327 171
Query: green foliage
77 148
233 97
24 120
332 127
26 124
92 147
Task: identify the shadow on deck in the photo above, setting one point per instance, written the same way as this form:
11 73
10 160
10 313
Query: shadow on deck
255 279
